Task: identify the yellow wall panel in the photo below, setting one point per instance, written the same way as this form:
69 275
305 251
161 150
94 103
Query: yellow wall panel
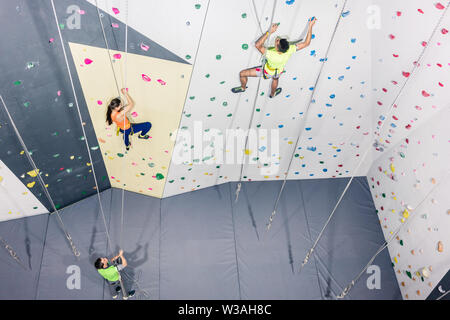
142 169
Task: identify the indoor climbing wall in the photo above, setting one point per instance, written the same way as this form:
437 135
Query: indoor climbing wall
16 200
338 120
410 175
37 92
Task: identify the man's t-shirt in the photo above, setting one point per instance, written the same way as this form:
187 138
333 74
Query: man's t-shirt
111 273
276 61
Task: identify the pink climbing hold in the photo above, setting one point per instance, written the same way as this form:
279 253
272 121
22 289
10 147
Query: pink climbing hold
87 61
117 56
114 25
425 94
439 6
115 10
144 47
444 31
163 83
146 78
99 102
134 114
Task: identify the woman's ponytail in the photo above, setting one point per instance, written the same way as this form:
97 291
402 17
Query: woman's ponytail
112 105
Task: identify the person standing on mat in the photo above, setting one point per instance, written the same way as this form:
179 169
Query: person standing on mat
276 59
118 113
110 271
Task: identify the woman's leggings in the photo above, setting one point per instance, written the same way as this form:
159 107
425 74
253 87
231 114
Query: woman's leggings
137 127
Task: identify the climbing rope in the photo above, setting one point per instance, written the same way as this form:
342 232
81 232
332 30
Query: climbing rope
416 65
12 253
393 237
303 124
238 189
41 181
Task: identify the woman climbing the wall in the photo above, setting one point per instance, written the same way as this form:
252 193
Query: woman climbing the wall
117 113
276 59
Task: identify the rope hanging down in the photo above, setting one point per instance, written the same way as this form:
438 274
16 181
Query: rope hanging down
416 65
124 119
41 182
238 189
124 82
240 96
302 127
387 243
12 253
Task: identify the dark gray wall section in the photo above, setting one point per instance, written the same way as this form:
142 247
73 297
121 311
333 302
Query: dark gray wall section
26 237
48 123
198 258
352 237
202 245
86 226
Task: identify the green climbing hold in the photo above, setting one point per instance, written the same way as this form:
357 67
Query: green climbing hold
209 115
151 165
56 155
218 57
120 155
222 82
61 25
244 15
188 115
401 242
212 99
171 181
197 6
159 176
17 83
409 274
188 57
229 115
258 110
245 46
27 104
383 195
192 98
225 103
207 75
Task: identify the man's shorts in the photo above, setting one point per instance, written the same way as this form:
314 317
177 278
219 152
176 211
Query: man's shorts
266 75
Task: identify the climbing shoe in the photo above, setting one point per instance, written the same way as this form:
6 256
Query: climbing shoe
144 137
277 92
130 294
238 89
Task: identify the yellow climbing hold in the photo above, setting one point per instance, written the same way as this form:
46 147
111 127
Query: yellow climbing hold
406 214
395 259
1 178
392 167
33 173
22 152
248 152
31 184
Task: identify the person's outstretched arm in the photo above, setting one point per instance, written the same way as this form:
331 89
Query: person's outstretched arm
130 104
260 42
307 42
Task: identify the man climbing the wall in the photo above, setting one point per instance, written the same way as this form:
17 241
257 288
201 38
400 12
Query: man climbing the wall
110 271
275 59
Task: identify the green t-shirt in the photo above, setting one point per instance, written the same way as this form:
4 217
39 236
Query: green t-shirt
276 60
111 273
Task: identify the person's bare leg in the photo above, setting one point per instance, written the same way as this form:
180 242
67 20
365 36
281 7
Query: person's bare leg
274 87
244 74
